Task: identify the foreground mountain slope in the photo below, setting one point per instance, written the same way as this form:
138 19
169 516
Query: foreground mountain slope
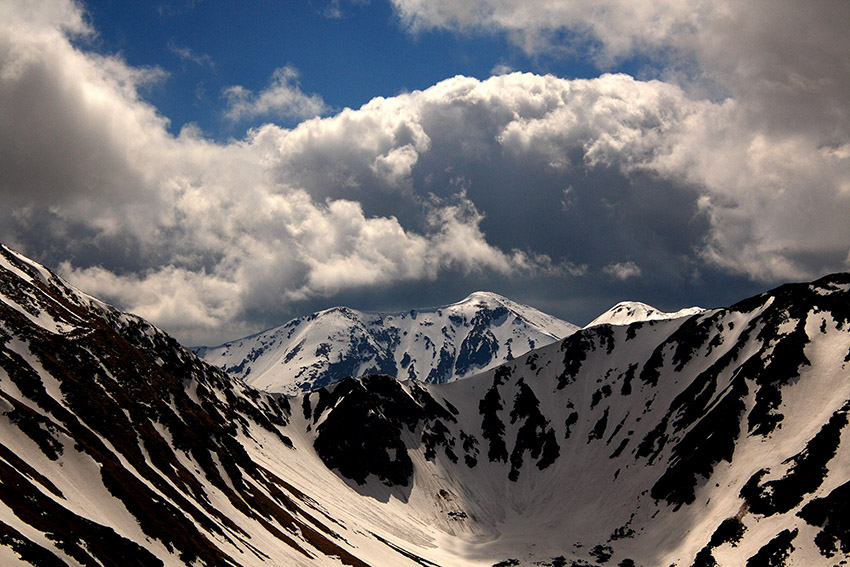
431 345
718 439
119 447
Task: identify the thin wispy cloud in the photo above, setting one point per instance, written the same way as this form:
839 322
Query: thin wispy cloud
177 7
338 9
187 54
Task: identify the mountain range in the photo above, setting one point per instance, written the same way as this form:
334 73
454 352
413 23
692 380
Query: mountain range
434 345
718 438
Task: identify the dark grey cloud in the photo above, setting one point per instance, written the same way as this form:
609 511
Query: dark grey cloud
61 141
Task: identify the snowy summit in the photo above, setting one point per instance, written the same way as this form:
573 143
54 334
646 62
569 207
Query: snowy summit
434 345
628 312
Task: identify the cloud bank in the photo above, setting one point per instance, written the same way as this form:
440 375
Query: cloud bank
739 166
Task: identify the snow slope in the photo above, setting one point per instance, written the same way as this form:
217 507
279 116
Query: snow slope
628 312
715 439
432 345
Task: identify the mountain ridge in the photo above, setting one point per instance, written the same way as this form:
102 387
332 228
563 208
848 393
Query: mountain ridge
627 312
435 344
715 439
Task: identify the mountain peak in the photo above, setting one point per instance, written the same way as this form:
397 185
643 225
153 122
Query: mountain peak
340 310
628 312
436 345
484 297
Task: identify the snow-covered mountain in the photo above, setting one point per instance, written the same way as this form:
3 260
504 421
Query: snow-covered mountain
628 312
431 345
715 439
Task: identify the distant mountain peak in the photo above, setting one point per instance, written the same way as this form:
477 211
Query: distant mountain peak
436 344
628 312
483 297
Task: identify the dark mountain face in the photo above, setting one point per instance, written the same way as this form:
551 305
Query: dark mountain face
717 439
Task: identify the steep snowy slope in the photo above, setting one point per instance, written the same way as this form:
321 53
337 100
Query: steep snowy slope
716 439
431 345
118 447
628 312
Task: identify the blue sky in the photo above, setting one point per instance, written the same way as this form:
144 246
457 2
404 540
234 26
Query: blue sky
347 53
219 169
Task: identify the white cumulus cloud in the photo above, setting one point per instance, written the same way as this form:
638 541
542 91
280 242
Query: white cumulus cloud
623 270
463 179
283 98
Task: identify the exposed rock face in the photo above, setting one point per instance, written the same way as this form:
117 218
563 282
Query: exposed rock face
717 439
430 345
